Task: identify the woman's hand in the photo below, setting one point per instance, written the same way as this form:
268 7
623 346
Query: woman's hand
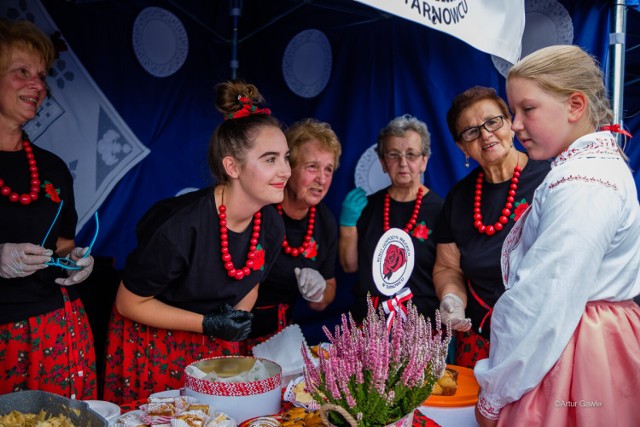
227 323
484 421
452 309
352 207
310 283
86 267
22 259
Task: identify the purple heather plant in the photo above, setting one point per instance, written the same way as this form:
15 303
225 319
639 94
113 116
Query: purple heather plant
378 375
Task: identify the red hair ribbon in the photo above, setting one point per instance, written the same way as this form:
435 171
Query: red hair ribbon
247 109
396 305
617 129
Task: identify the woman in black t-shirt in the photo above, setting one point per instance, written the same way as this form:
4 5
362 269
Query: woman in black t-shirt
45 338
404 147
306 265
478 213
189 286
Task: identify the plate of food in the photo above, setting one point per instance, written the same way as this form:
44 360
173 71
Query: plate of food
457 387
294 416
128 418
264 421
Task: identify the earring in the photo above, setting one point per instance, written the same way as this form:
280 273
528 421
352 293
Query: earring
466 161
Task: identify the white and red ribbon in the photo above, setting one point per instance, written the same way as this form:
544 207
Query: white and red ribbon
396 306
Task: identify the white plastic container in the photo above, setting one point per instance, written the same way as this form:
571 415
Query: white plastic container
239 400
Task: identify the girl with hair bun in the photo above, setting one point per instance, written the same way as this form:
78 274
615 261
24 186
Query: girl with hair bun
189 287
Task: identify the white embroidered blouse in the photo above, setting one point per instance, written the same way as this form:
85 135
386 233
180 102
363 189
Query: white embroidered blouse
578 242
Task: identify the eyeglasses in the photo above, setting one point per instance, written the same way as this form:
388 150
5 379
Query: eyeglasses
473 133
395 156
66 262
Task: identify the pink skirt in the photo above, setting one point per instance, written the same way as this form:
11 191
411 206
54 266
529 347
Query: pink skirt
596 381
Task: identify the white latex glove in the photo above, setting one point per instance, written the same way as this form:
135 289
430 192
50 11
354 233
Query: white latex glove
311 284
77 276
452 308
22 259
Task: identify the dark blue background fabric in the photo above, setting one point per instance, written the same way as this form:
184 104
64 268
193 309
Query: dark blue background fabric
382 67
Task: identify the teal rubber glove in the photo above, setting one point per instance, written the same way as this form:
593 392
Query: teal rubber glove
352 207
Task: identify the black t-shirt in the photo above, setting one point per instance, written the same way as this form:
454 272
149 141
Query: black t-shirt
178 258
479 253
36 294
281 287
370 229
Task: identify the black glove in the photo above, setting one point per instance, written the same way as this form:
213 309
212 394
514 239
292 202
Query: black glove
227 323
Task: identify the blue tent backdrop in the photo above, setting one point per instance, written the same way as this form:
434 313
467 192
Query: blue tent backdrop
382 66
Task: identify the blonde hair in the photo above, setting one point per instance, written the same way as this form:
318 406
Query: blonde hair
24 35
565 69
307 130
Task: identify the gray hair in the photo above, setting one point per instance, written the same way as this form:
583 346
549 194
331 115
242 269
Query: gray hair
399 127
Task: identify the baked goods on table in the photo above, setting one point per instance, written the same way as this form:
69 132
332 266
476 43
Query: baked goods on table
292 417
447 385
321 350
297 394
181 411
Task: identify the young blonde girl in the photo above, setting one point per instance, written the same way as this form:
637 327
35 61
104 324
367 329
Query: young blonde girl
566 333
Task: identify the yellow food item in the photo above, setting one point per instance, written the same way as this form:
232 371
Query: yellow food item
42 419
301 417
447 385
192 418
301 394
199 407
161 408
319 351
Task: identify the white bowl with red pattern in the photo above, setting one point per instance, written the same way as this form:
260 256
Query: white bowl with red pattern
240 400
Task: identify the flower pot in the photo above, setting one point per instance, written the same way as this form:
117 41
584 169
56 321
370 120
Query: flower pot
328 407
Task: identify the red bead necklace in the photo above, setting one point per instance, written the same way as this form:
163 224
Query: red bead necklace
294 252
232 271
414 215
25 199
490 230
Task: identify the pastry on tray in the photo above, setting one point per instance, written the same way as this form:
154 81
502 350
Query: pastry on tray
447 385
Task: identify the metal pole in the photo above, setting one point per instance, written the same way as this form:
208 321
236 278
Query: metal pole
235 12
617 40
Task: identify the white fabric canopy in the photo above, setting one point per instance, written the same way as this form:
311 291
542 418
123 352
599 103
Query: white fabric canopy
493 26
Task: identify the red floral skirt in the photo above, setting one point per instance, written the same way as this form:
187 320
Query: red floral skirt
51 352
141 360
470 347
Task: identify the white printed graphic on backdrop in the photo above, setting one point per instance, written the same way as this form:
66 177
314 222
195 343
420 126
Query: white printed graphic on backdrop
306 63
548 23
159 41
78 122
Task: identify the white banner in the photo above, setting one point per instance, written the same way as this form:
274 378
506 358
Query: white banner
78 123
491 26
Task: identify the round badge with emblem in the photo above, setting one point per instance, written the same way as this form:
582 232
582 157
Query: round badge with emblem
393 261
